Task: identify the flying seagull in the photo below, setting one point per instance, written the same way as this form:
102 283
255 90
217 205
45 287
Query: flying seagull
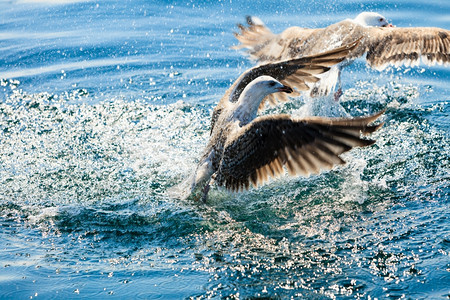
384 44
245 149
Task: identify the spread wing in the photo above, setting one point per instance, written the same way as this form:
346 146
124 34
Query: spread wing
295 73
263 148
405 46
254 37
264 46
384 45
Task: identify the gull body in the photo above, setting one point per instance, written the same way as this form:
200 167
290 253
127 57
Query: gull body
382 43
245 149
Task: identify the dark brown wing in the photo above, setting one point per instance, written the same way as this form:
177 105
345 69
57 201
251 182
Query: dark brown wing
405 46
294 73
303 146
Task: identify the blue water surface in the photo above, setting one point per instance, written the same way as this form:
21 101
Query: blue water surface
105 107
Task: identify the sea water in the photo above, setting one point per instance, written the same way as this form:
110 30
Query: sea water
105 106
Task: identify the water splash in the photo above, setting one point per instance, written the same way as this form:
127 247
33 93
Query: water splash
91 177
58 151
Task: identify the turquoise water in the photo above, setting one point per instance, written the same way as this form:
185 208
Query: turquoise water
105 106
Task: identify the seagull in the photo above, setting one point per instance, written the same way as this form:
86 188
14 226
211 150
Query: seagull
384 44
245 149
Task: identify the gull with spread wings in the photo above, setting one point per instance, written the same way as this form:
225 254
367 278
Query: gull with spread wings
384 44
245 149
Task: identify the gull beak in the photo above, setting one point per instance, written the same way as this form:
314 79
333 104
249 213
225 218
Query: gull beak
285 89
388 25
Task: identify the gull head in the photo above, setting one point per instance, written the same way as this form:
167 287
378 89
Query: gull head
372 19
247 106
265 85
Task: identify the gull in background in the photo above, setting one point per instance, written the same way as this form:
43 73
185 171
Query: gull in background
384 44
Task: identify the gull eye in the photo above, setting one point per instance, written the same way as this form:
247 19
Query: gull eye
381 20
272 83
